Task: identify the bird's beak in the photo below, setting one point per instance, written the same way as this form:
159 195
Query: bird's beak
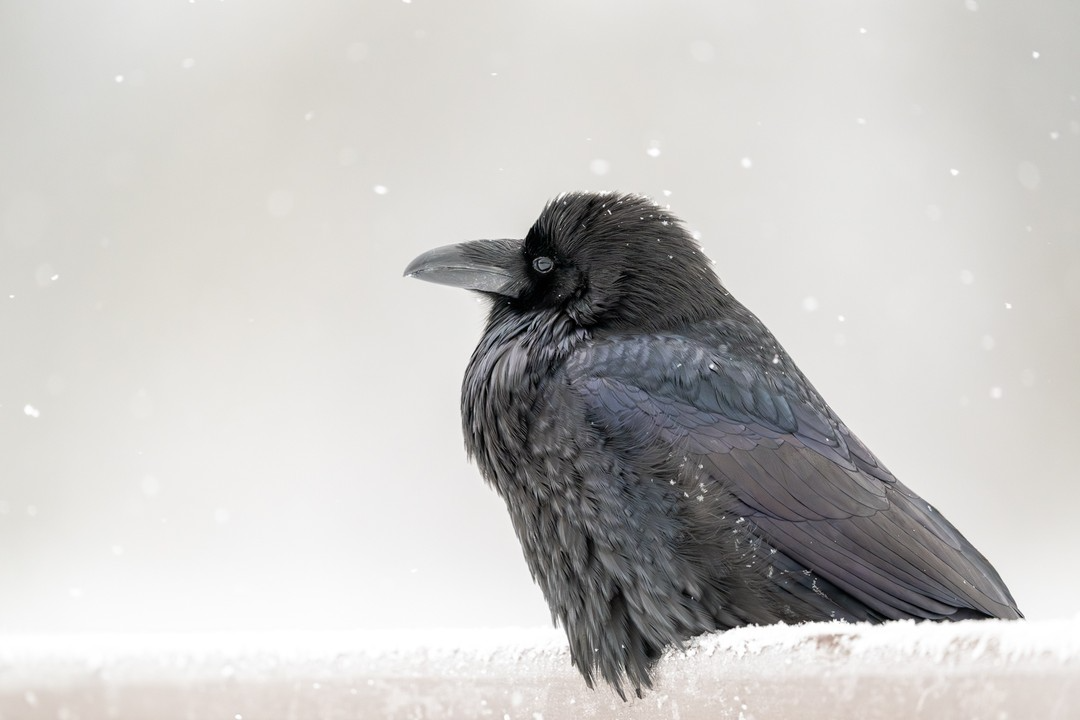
485 265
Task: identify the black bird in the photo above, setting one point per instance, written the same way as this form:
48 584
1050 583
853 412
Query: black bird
668 469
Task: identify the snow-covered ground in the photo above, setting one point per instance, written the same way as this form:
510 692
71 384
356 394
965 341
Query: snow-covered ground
902 670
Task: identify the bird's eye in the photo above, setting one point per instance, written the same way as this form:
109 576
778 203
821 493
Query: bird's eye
543 264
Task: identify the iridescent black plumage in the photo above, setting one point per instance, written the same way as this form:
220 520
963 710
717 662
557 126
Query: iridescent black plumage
668 469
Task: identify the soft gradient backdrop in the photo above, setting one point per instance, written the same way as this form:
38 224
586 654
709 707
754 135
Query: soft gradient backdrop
221 406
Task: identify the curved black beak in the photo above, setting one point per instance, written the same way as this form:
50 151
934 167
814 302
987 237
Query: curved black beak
490 266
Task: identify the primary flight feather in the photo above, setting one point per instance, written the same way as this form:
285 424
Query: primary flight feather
668 469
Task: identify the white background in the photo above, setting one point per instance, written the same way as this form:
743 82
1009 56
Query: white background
221 407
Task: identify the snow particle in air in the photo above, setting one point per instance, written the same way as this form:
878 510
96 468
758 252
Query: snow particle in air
810 303
599 167
31 411
746 163
1028 175
996 393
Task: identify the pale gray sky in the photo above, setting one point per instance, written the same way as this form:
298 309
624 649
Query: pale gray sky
221 407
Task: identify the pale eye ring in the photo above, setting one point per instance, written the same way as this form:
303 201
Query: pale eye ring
543 264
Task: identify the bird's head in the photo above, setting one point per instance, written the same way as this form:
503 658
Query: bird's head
605 260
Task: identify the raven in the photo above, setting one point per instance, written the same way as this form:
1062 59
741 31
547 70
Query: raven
668 469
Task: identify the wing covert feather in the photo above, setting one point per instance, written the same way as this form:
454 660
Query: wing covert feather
812 489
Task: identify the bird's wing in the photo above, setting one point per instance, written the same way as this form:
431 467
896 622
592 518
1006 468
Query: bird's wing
814 492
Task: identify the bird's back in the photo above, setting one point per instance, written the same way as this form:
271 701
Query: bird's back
675 483
668 469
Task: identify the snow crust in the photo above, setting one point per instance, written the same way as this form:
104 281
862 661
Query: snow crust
989 669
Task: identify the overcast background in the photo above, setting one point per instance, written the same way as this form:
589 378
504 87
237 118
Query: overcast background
221 406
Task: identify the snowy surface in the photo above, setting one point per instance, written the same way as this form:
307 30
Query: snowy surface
902 670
